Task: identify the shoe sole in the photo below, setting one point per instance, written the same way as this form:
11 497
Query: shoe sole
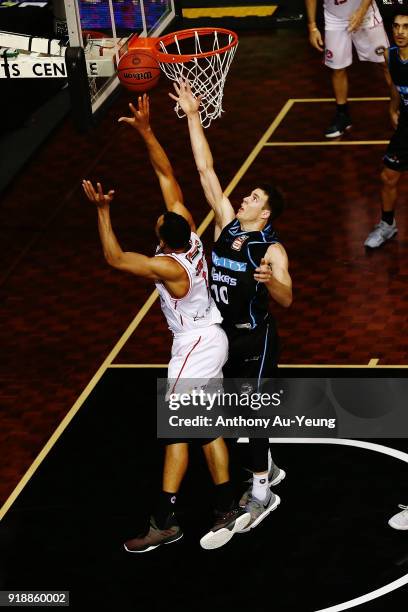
383 242
152 547
263 515
338 134
398 528
216 539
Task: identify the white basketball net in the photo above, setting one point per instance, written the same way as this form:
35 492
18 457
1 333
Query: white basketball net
206 75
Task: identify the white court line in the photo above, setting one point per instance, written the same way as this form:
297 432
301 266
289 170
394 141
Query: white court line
379 448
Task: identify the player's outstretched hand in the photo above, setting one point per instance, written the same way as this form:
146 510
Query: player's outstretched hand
188 103
141 116
315 39
263 274
96 196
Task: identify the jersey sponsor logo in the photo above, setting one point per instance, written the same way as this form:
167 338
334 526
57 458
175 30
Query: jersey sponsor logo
329 54
229 264
238 242
219 277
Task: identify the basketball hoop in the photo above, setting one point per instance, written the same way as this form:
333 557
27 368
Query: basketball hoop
202 57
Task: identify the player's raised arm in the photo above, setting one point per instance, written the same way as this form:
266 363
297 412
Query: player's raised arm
154 268
170 188
224 213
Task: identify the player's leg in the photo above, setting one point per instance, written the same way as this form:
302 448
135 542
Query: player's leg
203 368
340 86
338 56
254 358
164 528
229 518
395 162
175 467
217 458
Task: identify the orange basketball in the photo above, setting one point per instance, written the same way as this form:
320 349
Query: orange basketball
138 70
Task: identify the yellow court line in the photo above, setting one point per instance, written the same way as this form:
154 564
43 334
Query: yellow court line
296 100
373 363
72 412
132 327
229 11
330 143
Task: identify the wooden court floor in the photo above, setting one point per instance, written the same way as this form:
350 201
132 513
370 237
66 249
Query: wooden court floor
64 312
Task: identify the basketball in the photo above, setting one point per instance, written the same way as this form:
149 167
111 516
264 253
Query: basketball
138 70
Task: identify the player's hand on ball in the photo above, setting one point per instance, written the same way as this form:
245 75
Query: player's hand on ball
96 196
141 116
263 274
188 103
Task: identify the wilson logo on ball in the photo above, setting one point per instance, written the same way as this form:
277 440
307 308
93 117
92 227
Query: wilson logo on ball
139 76
138 70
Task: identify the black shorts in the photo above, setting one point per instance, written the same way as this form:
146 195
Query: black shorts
253 353
396 155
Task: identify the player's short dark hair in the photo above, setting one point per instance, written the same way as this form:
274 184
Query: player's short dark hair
402 10
275 202
175 230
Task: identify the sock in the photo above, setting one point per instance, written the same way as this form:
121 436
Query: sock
224 497
342 108
260 486
165 507
270 460
387 216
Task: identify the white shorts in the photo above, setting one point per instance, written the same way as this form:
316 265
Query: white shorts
370 42
198 355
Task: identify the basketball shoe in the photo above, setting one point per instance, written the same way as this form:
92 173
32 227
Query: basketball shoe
260 509
400 520
340 124
226 524
275 476
155 536
380 234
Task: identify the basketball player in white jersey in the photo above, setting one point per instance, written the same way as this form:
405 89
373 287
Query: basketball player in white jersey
200 346
347 23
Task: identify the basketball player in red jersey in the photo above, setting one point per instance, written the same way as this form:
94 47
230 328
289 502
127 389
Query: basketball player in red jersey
347 23
200 345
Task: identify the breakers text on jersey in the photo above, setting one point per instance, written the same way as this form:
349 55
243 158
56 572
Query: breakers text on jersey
223 278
